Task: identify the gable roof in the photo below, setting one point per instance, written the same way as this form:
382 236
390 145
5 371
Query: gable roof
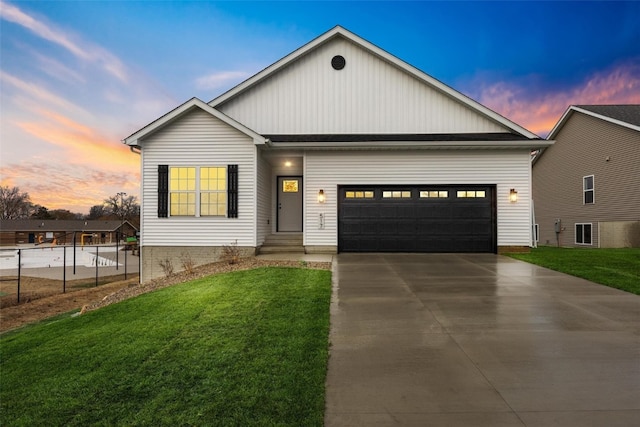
623 115
339 31
133 139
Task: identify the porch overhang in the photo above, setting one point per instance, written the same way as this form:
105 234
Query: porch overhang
461 141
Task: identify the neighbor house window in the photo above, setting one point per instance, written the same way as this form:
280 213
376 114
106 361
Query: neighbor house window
201 190
583 234
588 191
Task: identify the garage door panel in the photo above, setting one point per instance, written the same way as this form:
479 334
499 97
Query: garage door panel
470 211
418 219
408 228
434 228
390 211
355 211
433 211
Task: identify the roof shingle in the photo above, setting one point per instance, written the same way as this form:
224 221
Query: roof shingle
625 113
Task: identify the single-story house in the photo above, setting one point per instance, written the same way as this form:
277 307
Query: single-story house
62 232
586 186
342 146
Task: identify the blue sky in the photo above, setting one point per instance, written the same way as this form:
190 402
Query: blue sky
78 77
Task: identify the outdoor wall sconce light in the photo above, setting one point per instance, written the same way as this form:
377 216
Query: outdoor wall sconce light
513 195
321 197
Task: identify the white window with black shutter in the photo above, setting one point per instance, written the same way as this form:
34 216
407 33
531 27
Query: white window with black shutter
198 191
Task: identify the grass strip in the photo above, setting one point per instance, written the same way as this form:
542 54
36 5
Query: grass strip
243 348
616 268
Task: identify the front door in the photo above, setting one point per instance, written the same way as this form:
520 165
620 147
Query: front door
289 203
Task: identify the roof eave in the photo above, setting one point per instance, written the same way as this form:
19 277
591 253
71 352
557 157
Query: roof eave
606 118
134 140
415 145
575 109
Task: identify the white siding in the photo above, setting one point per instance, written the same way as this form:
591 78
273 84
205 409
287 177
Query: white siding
199 139
264 197
505 169
369 95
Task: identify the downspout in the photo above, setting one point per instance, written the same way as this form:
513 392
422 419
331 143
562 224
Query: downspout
534 235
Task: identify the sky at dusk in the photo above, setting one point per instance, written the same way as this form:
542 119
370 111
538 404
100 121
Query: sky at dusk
78 77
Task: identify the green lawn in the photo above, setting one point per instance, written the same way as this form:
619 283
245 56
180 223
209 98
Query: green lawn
617 268
244 348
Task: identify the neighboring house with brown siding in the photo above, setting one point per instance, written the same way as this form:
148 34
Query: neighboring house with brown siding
62 232
589 180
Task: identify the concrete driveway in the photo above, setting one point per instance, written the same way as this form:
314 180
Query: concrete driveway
478 340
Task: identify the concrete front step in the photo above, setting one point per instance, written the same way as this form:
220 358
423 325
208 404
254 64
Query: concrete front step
284 239
281 250
282 243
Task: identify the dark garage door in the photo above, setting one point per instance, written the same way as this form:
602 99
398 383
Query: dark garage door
454 218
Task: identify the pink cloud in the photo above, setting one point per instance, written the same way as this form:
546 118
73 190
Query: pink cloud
539 112
82 169
83 145
76 187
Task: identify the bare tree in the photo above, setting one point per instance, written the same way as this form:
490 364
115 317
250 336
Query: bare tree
14 204
125 208
98 212
41 212
65 214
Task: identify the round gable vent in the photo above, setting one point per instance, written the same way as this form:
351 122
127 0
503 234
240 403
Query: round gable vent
338 62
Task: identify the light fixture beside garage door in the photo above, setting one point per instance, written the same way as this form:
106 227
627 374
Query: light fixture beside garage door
321 197
513 195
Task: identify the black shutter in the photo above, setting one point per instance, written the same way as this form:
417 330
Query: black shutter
232 191
163 191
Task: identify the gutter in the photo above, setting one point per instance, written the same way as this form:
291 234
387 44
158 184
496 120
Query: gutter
433 145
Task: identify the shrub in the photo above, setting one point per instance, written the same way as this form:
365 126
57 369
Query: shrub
188 264
167 266
231 253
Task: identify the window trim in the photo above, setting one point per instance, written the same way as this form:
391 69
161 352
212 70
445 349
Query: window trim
187 191
582 224
198 192
216 191
591 190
